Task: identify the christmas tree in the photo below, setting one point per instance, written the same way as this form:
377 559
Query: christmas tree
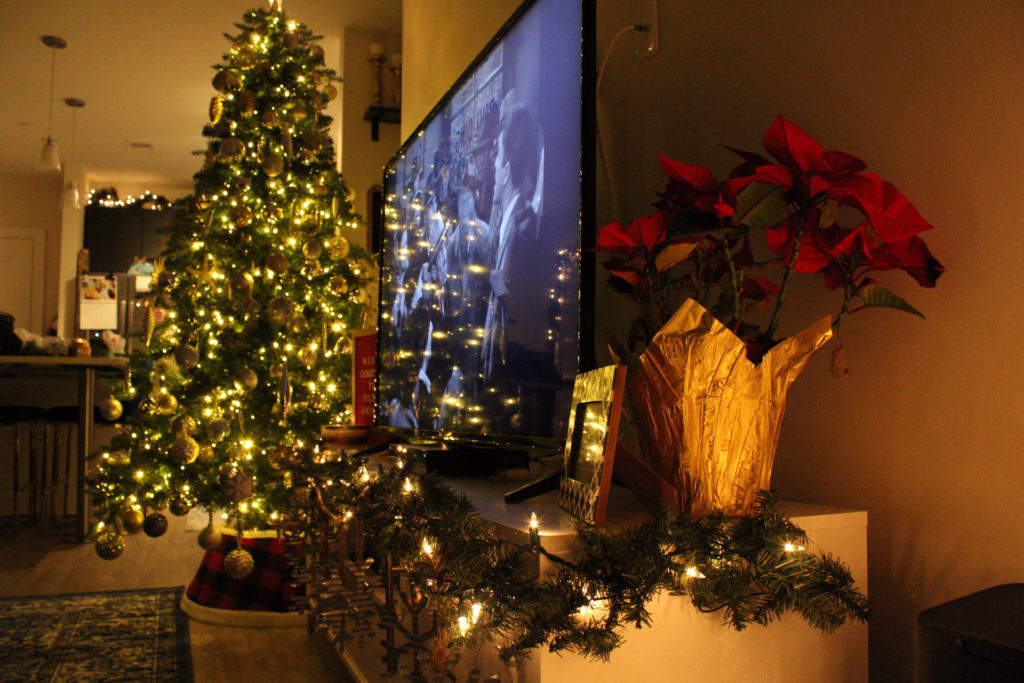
245 353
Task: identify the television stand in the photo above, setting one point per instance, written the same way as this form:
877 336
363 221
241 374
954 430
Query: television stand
548 482
464 460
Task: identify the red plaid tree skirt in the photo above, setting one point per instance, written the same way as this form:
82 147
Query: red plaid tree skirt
265 589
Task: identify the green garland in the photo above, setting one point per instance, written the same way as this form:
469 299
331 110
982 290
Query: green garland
751 568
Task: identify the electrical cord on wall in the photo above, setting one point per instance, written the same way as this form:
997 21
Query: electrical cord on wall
612 198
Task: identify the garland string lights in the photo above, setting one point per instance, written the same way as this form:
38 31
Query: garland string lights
484 587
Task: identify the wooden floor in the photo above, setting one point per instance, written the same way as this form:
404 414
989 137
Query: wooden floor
31 564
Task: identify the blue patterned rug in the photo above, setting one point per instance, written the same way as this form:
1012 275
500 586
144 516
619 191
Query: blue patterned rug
131 635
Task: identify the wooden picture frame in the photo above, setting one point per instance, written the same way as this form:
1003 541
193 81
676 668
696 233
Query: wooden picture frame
591 442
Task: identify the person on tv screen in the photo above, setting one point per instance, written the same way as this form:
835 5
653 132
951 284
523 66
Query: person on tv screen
513 222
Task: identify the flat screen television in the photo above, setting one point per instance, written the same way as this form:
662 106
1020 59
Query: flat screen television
480 328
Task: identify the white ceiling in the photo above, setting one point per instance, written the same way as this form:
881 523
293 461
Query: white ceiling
143 69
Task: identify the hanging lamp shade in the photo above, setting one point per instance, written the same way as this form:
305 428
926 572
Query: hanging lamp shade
49 157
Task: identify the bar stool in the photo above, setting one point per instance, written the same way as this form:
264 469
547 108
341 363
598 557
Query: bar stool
25 421
59 468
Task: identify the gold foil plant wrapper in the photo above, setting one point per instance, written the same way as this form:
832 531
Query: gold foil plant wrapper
709 419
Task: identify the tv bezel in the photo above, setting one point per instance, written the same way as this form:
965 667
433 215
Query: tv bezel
585 356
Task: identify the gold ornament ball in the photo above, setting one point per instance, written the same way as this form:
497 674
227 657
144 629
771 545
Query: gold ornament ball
311 269
110 545
180 505
187 356
312 249
238 563
230 148
131 520
241 283
270 118
316 53
273 164
111 408
298 323
297 114
184 424
216 108
339 284
245 57
184 450
206 453
280 310
225 81
276 370
164 403
209 538
307 356
241 215
338 247
330 92
289 40
218 428
154 525
277 262
246 379
119 458
227 470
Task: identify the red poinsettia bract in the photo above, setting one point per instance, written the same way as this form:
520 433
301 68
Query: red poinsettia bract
795 199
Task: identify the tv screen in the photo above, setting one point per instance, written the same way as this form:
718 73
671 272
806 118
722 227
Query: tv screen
480 280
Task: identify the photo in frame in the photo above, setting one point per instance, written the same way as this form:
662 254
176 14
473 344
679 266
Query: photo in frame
590 444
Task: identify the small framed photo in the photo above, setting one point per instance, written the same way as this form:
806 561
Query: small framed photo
590 445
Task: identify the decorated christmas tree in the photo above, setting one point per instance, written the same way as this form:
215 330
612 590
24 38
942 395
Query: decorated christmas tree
245 354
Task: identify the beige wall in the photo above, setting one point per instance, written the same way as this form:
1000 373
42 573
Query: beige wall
33 201
439 39
926 432
362 159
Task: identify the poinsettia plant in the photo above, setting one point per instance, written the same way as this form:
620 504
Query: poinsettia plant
734 245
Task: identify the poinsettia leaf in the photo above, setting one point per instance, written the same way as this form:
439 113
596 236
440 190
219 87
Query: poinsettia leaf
698 177
877 296
891 214
793 146
673 254
759 205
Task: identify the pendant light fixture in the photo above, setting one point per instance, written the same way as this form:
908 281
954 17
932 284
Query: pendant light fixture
49 158
72 194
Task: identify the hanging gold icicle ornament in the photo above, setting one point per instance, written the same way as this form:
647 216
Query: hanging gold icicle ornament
149 322
284 392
